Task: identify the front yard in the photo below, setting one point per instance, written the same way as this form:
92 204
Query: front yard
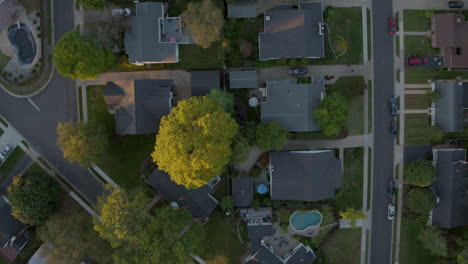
7 167
343 246
411 249
416 101
416 127
419 46
423 75
350 193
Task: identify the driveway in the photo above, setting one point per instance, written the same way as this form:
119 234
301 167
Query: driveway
423 4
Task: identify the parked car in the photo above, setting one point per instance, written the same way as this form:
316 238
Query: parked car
417 61
297 71
390 188
392 26
391 211
5 152
455 4
393 127
393 103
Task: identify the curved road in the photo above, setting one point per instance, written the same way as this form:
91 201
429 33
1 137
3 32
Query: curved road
57 103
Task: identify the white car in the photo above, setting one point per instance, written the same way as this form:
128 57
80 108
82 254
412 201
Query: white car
5 152
391 211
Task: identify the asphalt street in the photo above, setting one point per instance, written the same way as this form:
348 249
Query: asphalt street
57 103
382 50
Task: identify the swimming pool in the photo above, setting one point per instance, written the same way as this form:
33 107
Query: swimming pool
302 220
23 43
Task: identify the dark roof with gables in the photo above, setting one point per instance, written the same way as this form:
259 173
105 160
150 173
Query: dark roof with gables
451 188
243 79
242 9
199 201
204 81
264 256
303 255
304 175
242 191
449 108
9 225
256 232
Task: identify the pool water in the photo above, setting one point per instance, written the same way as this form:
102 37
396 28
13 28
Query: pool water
303 220
23 43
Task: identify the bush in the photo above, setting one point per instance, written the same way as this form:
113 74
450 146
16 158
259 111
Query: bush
331 114
420 200
434 241
34 22
21 76
39 36
420 173
436 135
38 28
38 14
271 136
255 171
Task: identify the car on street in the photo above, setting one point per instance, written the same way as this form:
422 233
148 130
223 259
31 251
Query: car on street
393 127
393 103
390 188
392 27
391 211
297 71
5 152
417 60
455 4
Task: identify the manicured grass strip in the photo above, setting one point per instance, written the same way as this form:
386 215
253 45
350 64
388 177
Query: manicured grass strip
369 34
9 164
369 179
1 132
42 160
411 249
370 110
397 75
350 193
397 45
416 101
344 246
34 168
4 59
80 104
422 75
416 127
419 46
49 21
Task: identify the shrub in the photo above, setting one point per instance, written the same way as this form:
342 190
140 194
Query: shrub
34 22
38 14
420 173
420 200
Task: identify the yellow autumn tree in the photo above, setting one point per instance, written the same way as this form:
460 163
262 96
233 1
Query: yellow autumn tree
194 141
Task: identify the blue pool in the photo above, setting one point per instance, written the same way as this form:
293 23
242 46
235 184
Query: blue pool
302 220
23 43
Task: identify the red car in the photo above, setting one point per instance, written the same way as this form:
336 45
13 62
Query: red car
392 27
417 61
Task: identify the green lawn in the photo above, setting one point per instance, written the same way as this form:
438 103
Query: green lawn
422 75
420 46
1 132
397 45
222 238
126 154
416 20
416 101
9 164
350 193
343 246
283 215
4 59
411 250
31 5
416 127
369 94
369 34
242 34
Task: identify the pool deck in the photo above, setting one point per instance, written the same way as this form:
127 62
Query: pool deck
281 243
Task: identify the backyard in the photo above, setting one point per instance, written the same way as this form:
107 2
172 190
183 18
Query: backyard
126 154
242 41
343 246
350 193
411 249
416 127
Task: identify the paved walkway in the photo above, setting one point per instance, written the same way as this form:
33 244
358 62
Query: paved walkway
348 142
103 175
415 91
416 111
416 86
417 33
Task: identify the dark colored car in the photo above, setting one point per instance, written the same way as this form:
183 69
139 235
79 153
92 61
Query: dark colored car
393 126
297 71
417 61
393 102
455 4
390 188
392 28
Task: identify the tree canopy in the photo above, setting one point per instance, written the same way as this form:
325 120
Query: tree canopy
92 4
434 241
33 197
82 143
436 134
420 173
271 136
331 114
78 57
240 149
223 98
205 21
194 141
420 200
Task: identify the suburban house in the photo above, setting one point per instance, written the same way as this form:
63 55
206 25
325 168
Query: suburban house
448 112
242 9
154 37
242 191
304 175
199 202
292 104
291 32
451 188
268 244
243 79
13 236
449 32
139 105
204 81
10 10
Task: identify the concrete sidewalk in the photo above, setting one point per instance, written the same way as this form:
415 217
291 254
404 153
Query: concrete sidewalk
348 142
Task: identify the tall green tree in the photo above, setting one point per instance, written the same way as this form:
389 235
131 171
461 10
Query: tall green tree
92 4
82 143
420 173
240 149
223 98
78 57
434 241
271 136
420 200
436 134
462 257
74 239
331 114
33 197
194 141
205 21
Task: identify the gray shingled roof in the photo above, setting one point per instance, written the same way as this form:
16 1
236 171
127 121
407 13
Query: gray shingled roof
198 201
204 81
304 175
139 105
243 79
451 187
292 33
264 256
242 9
142 43
256 233
304 255
449 108
9 226
292 104
242 191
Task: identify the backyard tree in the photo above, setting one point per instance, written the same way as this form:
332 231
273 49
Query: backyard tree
223 98
194 141
74 239
240 149
420 173
434 241
420 200
227 204
78 57
33 197
432 97
205 21
462 257
331 114
81 143
271 136
195 239
92 4
436 134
